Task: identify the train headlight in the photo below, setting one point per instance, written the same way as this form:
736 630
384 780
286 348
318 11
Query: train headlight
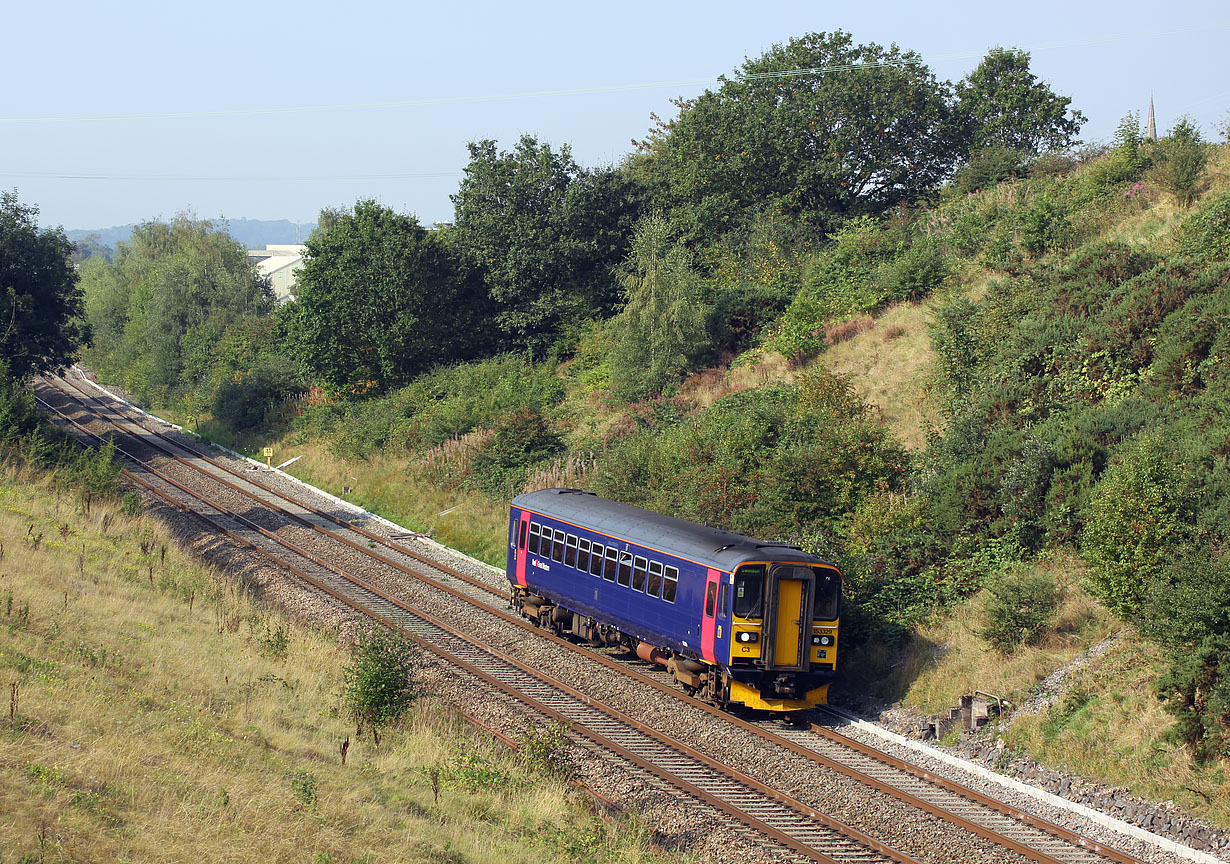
825 640
747 636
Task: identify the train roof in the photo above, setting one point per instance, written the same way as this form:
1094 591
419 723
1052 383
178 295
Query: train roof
713 547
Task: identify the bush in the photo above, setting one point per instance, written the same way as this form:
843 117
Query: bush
915 273
242 403
1019 610
1137 522
1205 234
987 168
521 439
1182 159
378 686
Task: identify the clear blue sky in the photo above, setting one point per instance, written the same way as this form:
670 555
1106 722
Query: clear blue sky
584 74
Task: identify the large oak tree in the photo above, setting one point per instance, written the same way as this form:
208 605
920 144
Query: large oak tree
819 128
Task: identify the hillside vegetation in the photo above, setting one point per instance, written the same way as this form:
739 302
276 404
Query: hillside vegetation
872 313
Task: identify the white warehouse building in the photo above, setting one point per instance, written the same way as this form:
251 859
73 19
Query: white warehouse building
280 262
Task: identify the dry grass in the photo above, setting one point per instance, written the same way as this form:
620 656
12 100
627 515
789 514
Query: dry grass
459 518
889 364
1112 727
948 659
706 387
157 720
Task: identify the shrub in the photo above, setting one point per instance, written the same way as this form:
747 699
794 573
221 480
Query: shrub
915 273
243 402
988 167
1136 524
1183 157
1206 233
378 686
520 440
1019 610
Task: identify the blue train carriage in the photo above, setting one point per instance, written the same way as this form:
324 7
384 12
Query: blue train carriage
734 619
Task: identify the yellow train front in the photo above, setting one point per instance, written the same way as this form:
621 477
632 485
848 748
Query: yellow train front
737 620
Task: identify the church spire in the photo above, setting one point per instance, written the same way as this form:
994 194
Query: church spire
1150 128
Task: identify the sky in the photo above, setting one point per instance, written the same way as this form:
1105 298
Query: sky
121 112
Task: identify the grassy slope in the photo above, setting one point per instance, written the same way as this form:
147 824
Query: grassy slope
155 721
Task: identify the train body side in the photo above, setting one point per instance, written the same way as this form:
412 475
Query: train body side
681 604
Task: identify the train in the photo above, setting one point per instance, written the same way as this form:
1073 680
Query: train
735 620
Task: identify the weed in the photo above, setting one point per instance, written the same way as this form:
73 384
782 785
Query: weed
272 641
303 787
131 504
545 749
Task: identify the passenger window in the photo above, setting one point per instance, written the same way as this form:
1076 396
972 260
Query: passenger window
557 550
723 596
524 527
583 556
710 599
625 569
534 537
570 553
654 588
595 561
638 574
670 584
611 564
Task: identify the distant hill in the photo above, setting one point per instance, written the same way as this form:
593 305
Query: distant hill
252 233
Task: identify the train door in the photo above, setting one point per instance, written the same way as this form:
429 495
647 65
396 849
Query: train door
708 621
517 542
788 617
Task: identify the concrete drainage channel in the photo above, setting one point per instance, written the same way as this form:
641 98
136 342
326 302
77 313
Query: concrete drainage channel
1099 818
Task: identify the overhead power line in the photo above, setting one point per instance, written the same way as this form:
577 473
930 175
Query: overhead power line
589 91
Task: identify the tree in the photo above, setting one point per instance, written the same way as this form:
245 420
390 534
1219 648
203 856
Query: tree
380 300
1183 156
161 309
819 128
40 301
1002 104
378 685
662 326
544 233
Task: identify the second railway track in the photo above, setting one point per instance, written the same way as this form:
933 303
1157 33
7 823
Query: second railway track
965 810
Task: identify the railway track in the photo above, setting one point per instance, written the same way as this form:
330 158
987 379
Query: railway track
967 809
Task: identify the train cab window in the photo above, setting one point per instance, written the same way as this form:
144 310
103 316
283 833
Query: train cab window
583 556
570 551
670 584
654 587
638 574
724 600
710 599
521 541
625 569
557 549
612 564
595 561
828 593
749 591
533 547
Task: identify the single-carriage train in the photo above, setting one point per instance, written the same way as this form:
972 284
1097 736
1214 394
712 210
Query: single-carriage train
737 620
